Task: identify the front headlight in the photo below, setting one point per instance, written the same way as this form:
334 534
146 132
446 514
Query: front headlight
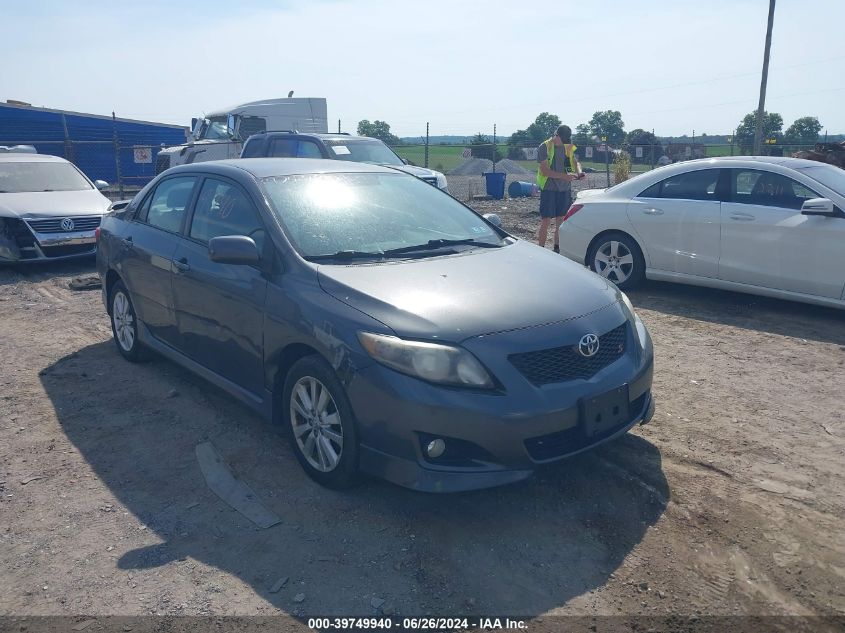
430 361
441 182
639 327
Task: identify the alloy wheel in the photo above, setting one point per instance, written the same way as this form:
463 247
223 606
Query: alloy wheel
316 424
614 261
124 321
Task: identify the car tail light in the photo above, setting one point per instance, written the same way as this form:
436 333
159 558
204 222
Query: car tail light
575 208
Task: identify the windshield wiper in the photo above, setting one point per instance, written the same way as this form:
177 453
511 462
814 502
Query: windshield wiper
346 255
439 243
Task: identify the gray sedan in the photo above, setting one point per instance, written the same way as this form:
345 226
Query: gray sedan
385 326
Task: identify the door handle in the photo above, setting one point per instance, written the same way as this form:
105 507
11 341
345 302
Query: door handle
127 242
182 265
652 211
742 217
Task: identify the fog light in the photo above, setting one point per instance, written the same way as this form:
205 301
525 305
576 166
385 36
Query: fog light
435 448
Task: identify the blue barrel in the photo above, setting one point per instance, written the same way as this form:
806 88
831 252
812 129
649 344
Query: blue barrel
519 189
495 184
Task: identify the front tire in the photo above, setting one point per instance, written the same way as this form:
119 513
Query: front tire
618 258
124 325
318 418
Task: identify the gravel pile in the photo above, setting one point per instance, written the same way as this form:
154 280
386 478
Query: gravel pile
508 166
472 167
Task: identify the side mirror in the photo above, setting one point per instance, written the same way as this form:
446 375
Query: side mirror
233 249
493 219
101 184
820 206
120 205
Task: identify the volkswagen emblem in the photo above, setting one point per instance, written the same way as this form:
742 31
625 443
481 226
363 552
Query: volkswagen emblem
588 345
67 224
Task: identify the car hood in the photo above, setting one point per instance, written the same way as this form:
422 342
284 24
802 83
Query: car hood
483 291
419 172
51 204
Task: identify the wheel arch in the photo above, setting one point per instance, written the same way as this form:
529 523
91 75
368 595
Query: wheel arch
607 232
112 277
280 365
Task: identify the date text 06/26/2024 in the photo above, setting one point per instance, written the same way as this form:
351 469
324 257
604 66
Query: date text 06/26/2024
414 624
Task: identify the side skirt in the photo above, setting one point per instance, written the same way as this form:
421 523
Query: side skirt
263 405
720 284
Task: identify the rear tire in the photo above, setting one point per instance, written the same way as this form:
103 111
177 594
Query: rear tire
618 258
124 325
318 418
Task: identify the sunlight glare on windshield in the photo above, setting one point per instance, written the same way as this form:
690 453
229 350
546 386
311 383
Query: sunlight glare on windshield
330 193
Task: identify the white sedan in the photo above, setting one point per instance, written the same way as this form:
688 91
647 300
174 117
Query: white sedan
764 225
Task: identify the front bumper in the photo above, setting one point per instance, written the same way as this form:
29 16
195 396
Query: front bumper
24 245
500 439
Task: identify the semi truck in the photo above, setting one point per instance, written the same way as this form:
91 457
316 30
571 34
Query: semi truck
221 134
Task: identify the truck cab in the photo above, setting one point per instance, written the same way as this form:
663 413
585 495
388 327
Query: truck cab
220 135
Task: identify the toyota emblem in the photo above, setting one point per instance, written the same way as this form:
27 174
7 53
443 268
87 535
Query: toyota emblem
588 345
67 224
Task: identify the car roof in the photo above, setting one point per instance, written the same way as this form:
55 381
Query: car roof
784 161
777 164
322 136
21 157
269 167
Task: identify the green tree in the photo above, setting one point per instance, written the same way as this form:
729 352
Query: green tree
772 126
582 135
804 131
482 147
516 142
544 126
608 123
647 140
379 130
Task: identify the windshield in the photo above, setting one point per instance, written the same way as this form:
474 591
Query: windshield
364 151
215 129
31 176
326 214
830 176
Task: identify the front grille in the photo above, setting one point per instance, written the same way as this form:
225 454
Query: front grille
54 225
68 250
560 364
571 440
162 163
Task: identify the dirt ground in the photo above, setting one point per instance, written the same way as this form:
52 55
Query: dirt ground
730 502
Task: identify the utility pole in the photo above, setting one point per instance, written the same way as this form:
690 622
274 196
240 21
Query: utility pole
758 133
426 145
338 126
495 147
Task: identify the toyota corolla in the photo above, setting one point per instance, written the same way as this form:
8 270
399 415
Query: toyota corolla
385 326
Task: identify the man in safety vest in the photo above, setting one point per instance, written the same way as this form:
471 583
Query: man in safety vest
557 167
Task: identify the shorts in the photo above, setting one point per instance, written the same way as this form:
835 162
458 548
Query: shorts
554 204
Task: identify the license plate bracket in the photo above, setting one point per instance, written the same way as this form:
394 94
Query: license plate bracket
603 412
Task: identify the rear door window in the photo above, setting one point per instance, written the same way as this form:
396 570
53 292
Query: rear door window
692 185
165 207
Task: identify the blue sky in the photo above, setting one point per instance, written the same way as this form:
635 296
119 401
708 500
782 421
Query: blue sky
462 65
